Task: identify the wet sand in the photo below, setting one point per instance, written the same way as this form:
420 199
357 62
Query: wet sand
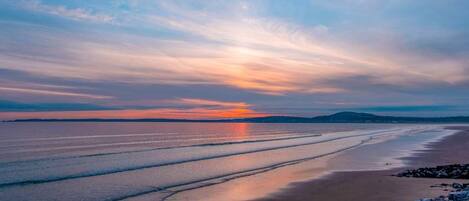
381 185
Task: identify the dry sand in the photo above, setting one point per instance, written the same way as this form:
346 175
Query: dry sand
380 185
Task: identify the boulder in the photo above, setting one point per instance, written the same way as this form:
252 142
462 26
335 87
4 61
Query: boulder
459 196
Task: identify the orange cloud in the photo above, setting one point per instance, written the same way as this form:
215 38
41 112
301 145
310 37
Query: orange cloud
195 113
201 109
204 102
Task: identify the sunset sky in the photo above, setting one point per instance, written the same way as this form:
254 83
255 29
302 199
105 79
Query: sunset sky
207 59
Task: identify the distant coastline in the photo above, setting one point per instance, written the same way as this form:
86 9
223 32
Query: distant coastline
341 117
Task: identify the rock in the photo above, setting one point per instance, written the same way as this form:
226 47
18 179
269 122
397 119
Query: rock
425 199
457 186
459 196
459 192
456 171
442 175
441 198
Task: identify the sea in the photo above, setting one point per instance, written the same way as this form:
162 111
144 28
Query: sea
96 161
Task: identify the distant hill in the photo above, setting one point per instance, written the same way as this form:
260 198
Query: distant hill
341 117
355 117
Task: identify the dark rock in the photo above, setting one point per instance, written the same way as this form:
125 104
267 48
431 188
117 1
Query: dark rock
457 186
459 196
455 171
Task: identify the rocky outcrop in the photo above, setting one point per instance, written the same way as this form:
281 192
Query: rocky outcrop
457 191
455 171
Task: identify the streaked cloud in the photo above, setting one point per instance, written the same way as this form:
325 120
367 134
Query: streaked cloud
11 106
195 113
406 108
63 11
52 93
203 102
177 108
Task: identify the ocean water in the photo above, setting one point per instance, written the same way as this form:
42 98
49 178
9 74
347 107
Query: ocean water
182 161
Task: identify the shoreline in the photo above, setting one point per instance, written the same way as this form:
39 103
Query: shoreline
380 184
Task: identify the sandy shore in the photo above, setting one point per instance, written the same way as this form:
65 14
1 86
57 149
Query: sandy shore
380 185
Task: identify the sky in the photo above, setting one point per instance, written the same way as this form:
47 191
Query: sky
209 59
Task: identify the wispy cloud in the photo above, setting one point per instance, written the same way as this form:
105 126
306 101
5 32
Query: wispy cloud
11 106
80 14
52 93
195 113
204 102
406 108
183 108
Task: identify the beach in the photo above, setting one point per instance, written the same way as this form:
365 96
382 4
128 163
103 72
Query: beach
382 185
231 161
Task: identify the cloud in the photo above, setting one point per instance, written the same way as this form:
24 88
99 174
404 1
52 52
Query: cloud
52 93
11 106
194 113
256 55
182 108
173 62
406 108
79 14
265 55
204 102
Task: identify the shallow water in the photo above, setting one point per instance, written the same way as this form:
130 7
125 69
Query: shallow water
151 161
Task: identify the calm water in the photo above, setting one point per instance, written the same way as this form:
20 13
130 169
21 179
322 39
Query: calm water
156 161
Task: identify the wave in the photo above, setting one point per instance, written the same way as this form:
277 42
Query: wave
228 177
104 165
225 178
129 135
205 138
152 149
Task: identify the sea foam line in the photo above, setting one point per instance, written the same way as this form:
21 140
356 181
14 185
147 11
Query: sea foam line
163 148
126 135
119 170
211 137
228 177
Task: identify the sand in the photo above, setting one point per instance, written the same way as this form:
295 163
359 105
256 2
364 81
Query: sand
381 185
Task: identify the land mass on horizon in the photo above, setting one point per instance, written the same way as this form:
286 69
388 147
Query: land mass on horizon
341 117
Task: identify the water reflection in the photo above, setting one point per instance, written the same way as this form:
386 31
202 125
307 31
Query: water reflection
241 130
